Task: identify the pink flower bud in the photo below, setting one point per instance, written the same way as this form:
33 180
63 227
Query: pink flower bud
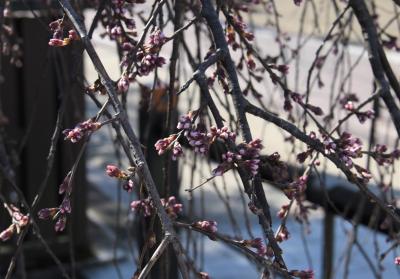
123 84
7 233
61 223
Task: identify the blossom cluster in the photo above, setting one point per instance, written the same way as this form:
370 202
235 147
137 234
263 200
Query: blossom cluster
241 28
382 157
149 57
145 206
197 136
171 205
81 130
18 221
201 139
347 148
165 144
296 187
206 225
118 23
258 244
58 40
348 103
247 156
125 176
60 213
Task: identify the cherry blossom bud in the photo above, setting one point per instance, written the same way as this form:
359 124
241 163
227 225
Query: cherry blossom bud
47 213
258 244
61 223
65 205
172 207
7 233
145 206
283 211
81 130
163 144
185 122
113 171
177 151
65 185
123 84
72 35
284 69
156 39
251 64
127 46
283 234
210 226
128 186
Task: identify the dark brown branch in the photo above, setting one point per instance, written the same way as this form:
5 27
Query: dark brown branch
156 255
371 38
256 192
136 146
239 246
394 83
318 146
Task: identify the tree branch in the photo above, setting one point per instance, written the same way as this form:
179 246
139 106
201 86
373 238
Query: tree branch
143 169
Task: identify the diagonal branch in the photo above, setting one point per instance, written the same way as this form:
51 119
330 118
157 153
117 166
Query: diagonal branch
371 38
143 168
237 244
257 192
318 146
157 254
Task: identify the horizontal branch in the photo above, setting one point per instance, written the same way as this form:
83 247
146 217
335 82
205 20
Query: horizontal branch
318 146
238 245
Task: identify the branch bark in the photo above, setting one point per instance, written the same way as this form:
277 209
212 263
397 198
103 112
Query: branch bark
256 191
318 146
371 38
127 128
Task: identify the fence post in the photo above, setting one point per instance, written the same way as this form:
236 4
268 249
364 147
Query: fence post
30 98
328 246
